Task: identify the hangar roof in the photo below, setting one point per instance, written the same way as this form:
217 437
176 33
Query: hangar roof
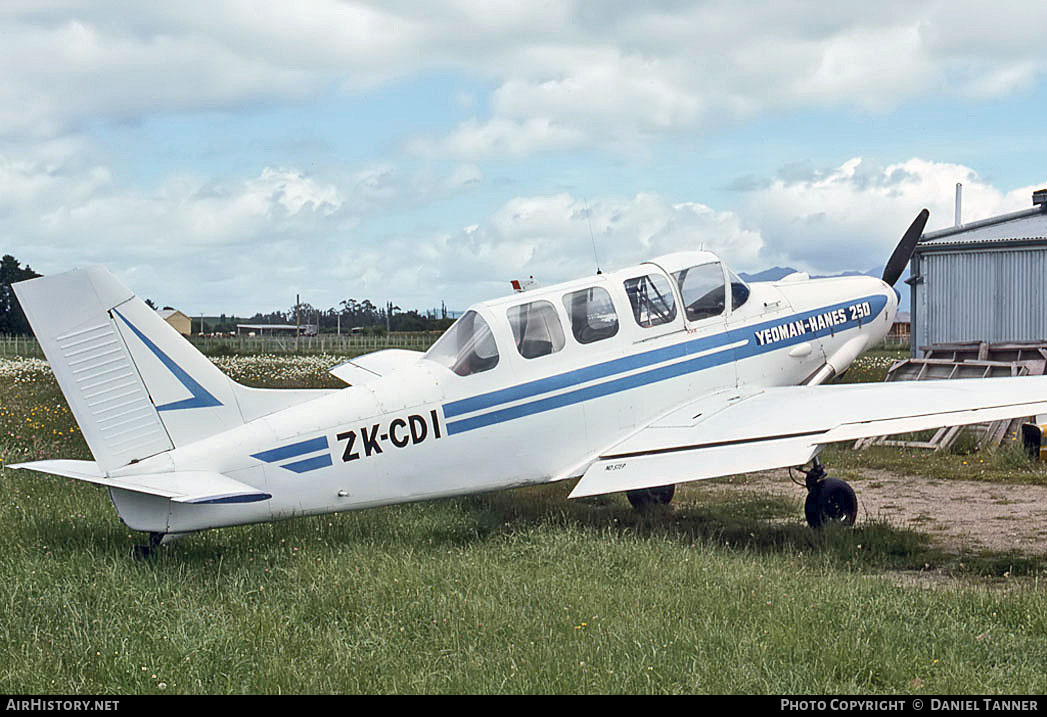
1024 226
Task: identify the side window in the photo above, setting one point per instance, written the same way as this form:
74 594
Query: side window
536 329
467 347
739 290
592 314
702 290
652 299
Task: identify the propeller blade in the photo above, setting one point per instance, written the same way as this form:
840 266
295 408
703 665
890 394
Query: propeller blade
903 252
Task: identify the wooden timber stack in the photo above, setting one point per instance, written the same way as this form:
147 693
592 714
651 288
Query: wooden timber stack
969 360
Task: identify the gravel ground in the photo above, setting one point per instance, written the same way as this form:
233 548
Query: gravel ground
960 516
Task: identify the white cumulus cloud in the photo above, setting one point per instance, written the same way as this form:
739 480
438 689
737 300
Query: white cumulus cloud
851 217
561 75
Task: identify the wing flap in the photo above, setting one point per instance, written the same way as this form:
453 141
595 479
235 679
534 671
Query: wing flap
617 474
198 487
740 432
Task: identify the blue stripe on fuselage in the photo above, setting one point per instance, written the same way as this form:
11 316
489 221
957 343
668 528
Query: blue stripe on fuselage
238 498
582 375
309 464
295 449
748 334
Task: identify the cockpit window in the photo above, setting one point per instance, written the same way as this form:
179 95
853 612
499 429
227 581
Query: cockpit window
739 290
652 299
702 289
592 314
536 329
467 347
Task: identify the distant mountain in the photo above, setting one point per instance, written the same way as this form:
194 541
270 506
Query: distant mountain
779 272
772 274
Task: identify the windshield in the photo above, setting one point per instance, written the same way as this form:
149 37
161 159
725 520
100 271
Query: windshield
467 347
702 290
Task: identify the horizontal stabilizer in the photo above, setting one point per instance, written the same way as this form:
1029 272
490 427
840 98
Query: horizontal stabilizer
179 486
366 368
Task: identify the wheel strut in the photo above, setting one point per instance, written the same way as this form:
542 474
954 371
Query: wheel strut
816 474
142 552
829 500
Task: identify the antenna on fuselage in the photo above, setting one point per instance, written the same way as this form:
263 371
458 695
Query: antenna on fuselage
589 221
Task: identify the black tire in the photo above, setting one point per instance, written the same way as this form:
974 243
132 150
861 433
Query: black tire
142 552
642 499
831 501
145 552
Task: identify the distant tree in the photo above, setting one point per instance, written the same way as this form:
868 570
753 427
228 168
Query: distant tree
150 304
226 323
12 319
352 314
369 313
273 317
410 321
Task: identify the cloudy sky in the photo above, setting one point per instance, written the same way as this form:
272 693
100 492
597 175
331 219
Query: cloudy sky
223 156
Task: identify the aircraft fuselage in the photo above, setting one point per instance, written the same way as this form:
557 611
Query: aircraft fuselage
425 431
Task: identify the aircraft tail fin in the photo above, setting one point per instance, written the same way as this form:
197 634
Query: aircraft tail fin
135 385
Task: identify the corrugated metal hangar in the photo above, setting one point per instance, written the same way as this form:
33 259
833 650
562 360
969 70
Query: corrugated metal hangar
982 281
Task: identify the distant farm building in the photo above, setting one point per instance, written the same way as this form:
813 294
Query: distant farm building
982 281
181 323
900 332
276 329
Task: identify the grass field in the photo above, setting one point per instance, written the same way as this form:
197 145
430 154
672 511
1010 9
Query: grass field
517 592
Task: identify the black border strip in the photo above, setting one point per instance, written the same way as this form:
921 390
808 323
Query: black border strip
719 444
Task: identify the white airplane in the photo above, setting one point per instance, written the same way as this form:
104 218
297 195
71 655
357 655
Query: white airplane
670 371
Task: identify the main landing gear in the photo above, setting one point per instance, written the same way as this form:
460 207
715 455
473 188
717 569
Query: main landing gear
829 500
143 552
645 498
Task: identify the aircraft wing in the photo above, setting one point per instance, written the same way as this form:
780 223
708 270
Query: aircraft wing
740 430
178 486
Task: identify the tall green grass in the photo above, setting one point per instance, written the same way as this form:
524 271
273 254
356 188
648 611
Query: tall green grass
515 592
